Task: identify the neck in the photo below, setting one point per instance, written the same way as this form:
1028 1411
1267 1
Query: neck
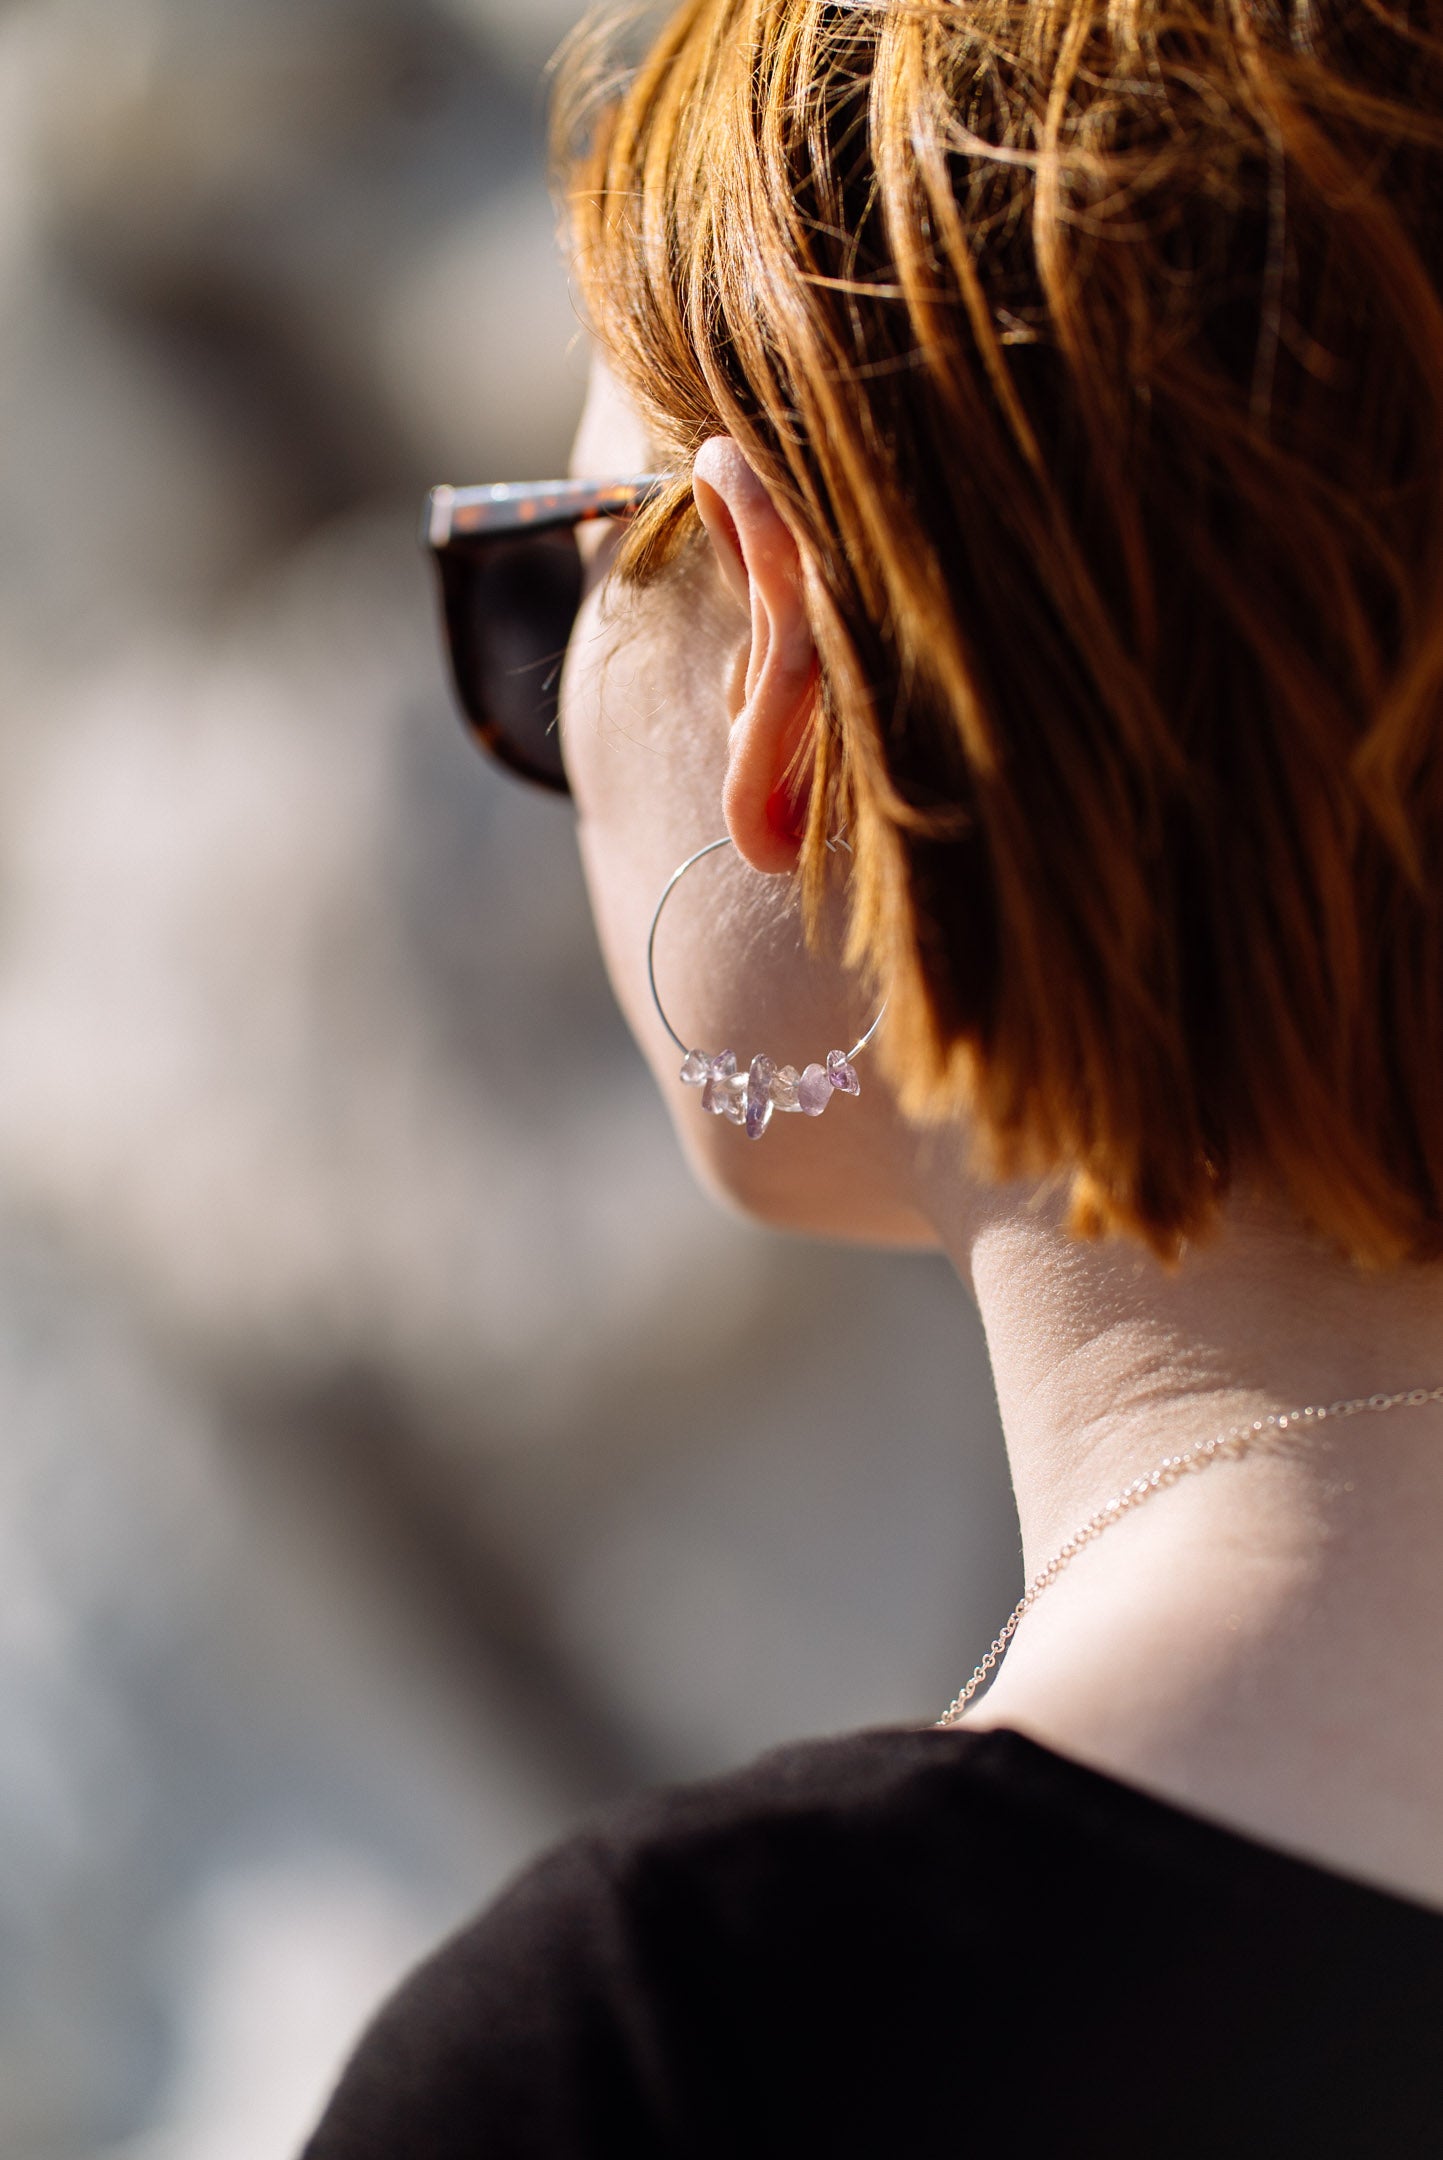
1105 1362
1250 1632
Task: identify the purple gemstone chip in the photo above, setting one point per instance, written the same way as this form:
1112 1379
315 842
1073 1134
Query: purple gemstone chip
784 1088
842 1076
814 1090
759 1096
719 1092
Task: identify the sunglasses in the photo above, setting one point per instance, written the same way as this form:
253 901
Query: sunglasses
512 580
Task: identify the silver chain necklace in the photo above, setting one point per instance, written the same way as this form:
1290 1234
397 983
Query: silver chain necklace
1168 1472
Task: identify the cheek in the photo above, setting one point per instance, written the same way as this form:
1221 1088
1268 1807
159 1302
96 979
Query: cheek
644 723
644 727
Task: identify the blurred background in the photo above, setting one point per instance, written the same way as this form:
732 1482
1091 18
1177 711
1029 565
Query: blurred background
399 1458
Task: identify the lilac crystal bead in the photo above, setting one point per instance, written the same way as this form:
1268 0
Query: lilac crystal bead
751 1098
759 1096
814 1090
842 1076
784 1088
715 1094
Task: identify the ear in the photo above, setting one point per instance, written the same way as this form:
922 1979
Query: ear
773 697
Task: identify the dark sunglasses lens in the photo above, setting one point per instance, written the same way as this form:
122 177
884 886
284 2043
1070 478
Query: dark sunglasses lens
510 606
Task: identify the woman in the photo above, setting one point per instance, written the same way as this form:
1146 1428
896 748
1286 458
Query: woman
1016 452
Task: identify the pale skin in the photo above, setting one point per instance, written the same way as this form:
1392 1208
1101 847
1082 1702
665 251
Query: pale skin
1261 1644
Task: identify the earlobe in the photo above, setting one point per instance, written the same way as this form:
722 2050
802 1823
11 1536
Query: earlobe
775 714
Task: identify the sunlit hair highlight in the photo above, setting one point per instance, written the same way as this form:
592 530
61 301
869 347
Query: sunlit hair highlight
1094 355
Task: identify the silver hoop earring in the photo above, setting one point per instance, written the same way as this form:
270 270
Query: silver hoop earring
750 1098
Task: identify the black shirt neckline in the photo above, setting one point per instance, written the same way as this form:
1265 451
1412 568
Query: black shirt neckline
1052 1780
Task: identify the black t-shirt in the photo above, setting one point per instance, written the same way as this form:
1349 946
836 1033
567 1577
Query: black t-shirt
902 1945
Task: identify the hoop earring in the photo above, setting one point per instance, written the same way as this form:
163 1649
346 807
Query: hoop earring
751 1098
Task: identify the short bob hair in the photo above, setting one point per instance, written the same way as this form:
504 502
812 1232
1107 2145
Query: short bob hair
1093 352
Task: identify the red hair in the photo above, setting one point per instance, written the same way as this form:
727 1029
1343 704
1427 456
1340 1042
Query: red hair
1094 355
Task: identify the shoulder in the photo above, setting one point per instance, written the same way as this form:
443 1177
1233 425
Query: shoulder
819 1842
866 1786
779 1960
657 1957
674 1873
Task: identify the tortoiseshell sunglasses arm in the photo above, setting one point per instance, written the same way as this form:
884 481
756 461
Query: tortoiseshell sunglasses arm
454 515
